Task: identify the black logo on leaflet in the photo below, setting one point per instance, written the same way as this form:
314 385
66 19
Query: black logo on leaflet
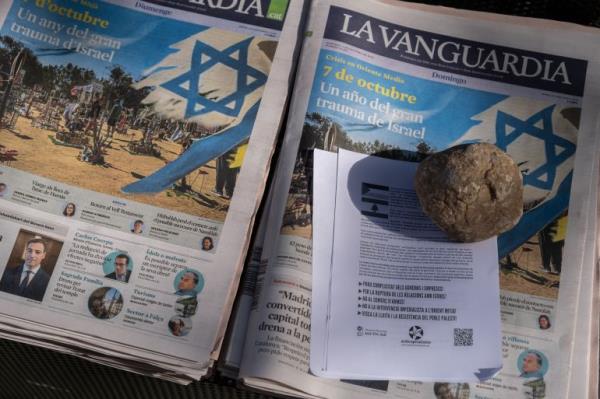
376 200
359 331
415 332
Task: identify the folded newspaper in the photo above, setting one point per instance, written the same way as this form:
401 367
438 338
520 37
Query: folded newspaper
135 142
405 80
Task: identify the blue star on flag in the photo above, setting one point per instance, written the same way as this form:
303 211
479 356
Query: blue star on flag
557 149
205 57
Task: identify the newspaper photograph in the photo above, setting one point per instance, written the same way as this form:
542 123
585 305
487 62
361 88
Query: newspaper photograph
100 102
394 81
135 142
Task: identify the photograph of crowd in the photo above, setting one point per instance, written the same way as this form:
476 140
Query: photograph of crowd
67 123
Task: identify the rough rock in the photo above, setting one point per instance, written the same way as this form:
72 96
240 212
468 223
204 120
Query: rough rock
472 191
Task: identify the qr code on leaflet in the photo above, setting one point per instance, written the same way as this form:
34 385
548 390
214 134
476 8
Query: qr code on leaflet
463 337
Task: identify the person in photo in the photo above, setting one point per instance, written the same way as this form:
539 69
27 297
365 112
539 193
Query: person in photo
138 227
69 210
70 112
532 365
552 242
3 190
93 114
29 279
544 322
176 327
226 175
113 117
188 283
121 272
207 243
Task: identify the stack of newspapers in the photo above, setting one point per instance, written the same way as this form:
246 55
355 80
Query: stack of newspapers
135 144
401 81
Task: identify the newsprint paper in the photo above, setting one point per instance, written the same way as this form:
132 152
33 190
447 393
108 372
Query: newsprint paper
403 81
135 142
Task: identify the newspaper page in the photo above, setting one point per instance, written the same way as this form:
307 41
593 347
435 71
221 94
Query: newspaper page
407 81
135 142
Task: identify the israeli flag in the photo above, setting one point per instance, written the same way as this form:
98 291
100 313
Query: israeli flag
215 78
540 136
212 78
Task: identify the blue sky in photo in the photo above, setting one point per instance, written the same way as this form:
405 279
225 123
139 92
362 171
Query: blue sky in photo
145 39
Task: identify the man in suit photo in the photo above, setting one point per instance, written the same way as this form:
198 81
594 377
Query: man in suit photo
121 272
188 284
29 279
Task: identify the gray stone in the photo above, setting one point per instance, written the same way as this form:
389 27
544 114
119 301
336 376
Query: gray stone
472 191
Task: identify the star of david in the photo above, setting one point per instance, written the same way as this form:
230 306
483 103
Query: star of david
557 149
205 57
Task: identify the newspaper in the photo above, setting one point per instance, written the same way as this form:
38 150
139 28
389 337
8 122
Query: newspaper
407 80
135 142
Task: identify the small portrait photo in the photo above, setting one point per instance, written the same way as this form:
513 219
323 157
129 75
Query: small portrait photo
30 265
445 390
118 266
207 243
532 364
105 303
186 306
69 210
180 326
188 282
3 190
137 226
544 322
